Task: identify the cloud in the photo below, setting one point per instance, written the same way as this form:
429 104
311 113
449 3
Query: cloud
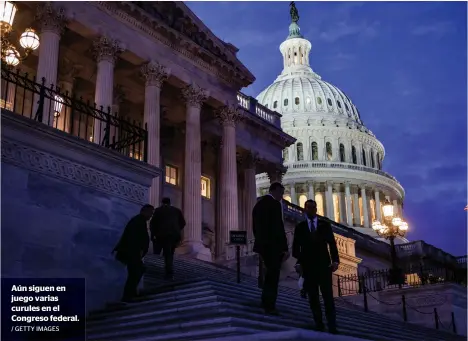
344 30
439 29
250 37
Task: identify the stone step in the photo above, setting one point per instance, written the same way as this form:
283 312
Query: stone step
243 306
301 305
214 334
291 320
193 324
193 267
204 302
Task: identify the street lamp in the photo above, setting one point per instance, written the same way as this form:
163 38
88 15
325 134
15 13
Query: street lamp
29 40
391 228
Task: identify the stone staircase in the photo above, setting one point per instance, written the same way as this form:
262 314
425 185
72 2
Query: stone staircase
204 302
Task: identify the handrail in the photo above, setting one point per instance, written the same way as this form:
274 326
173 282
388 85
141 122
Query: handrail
49 104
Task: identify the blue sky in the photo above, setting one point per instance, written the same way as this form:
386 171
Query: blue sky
404 66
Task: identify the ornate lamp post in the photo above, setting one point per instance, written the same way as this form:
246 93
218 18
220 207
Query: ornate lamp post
29 40
391 228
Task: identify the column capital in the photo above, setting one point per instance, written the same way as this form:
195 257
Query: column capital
229 115
311 183
337 187
363 186
106 48
154 73
276 175
329 183
194 96
51 18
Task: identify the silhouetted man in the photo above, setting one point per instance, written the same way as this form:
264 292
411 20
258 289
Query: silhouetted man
270 242
132 247
166 232
310 247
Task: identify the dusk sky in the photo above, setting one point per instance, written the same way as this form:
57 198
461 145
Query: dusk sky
403 64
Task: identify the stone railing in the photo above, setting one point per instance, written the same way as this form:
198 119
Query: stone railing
339 165
420 249
461 261
250 104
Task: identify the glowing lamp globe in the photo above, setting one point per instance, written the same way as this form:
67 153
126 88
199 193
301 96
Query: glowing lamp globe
29 40
58 105
403 227
11 57
376 226
396 221
387 209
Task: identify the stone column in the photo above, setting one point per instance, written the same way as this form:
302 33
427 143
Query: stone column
292 190
395 208
68 70
228 117
106 52
52 22
311 195
378 209
349 213
341 204
155 75
250 199
357 210
329 203
365 211
192 244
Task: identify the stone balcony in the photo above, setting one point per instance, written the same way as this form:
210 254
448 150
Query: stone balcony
252 106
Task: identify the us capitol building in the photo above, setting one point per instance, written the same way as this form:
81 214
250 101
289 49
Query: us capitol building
336 160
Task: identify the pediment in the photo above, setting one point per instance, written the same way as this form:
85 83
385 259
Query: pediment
178 23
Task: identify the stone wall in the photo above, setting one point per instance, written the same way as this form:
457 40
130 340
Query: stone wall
65 202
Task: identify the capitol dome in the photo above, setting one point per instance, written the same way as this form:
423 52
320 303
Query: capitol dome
336 160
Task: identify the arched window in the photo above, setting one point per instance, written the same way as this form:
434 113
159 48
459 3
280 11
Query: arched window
286 154
287 197
266 105
329 101
314 151
339 104
342 153
319 100
302 200
275 104
300 152
296 101
285 102
328 147
372 160
353 153
379 161
364 157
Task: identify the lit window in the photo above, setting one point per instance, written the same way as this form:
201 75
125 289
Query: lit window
302 200
287 198
171 175
205 187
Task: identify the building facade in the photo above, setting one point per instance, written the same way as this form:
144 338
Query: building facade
336 160
118 93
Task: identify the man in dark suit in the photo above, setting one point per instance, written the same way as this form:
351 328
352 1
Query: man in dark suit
270 242
132 247
166 232
310 247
